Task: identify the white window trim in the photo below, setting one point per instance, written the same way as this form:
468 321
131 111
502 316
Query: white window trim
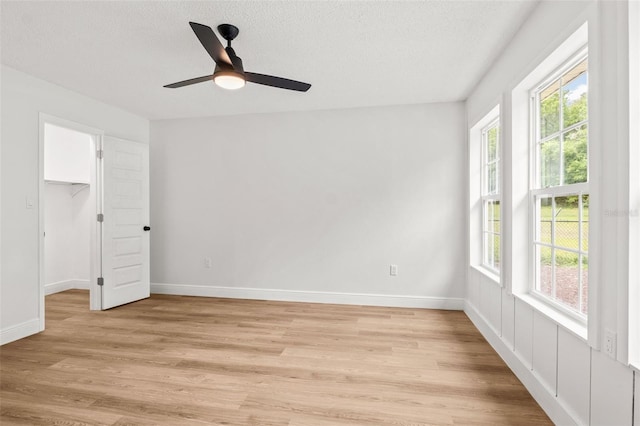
475 196
485 196
522 226
536 190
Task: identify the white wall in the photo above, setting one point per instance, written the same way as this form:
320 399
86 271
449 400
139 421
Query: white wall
312 206
81 220
58 227
66 243
572 380
67 154
634 178
22 99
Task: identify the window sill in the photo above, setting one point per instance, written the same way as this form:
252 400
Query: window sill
571 325
488 274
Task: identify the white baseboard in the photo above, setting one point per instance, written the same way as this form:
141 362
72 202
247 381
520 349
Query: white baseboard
19 331
65 285
310 296
559 414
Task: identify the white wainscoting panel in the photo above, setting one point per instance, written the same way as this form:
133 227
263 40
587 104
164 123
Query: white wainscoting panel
611 391
508 319
545 350
574 365
490 303
549 403
523 341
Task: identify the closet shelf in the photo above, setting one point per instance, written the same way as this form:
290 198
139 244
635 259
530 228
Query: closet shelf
64 182
76 187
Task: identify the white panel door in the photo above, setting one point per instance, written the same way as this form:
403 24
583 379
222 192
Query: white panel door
125 233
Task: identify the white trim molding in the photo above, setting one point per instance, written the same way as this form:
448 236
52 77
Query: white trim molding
20 331
397 301
59 286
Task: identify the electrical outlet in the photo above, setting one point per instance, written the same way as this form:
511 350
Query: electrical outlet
610 343
207 262
393 270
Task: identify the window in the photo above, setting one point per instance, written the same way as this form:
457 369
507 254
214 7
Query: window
484 195
560 187
491 196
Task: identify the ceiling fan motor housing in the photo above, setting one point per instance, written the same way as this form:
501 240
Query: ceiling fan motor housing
228 31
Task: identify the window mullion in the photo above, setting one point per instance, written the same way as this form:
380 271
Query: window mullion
560 191
485 168
553 248
564 130
537 147
580 256
561 130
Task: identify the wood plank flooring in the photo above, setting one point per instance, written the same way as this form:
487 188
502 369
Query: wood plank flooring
172 360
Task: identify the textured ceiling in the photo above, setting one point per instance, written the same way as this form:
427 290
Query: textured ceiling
355 53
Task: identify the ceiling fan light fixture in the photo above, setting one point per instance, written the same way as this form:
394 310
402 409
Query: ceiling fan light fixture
229 80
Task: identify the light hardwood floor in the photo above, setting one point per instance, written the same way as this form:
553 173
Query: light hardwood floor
175 360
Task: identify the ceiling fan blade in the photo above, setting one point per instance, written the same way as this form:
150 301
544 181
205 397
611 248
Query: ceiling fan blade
282 83
211 44
190 81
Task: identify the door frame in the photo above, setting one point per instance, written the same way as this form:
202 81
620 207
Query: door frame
95 206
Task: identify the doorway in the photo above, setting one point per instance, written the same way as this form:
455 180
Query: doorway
69 202
94 214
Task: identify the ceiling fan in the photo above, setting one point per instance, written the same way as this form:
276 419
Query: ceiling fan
229 73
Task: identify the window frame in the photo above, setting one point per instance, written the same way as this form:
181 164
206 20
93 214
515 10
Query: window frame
487 198
537 191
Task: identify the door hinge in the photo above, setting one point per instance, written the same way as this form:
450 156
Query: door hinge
100 217
99 153
100 281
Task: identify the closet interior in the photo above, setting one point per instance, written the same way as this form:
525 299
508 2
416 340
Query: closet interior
67 175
